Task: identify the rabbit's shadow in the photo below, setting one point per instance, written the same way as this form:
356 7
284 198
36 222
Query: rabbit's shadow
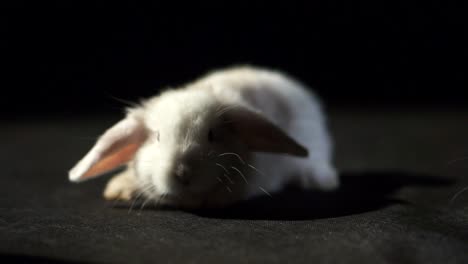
358 193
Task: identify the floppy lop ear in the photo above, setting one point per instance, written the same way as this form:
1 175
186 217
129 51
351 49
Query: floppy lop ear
261 135
114 148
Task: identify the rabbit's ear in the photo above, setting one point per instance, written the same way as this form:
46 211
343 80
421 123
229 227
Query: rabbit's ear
262 135
114 148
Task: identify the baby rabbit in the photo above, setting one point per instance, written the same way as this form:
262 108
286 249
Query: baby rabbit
229 136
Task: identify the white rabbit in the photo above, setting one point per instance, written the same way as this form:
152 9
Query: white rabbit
229 136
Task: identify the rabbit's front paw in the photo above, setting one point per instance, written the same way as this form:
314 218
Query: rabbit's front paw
120 187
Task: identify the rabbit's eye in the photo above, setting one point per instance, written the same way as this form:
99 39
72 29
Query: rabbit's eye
210 136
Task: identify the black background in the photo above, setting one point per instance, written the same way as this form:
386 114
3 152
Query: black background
70 58
65 62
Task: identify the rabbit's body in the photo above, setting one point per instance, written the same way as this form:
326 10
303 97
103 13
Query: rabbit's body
288 105
242 168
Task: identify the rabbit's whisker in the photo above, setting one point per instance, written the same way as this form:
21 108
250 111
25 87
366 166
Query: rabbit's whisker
224 168
144 203
225 110
141 192
133 203
265 191
240 173
255 169
234 154
127 102
229 178
458 194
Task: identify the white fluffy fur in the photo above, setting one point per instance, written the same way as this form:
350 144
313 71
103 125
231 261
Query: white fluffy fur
307 126
177 121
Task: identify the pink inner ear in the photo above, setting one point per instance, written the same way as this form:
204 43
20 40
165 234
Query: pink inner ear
114 148
113 160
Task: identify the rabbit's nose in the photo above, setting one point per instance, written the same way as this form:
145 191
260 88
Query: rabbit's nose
182 174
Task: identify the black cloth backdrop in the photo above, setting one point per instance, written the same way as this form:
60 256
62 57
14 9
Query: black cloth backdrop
392 75
398 202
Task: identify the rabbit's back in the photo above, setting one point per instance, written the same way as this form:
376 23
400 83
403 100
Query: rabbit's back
293 107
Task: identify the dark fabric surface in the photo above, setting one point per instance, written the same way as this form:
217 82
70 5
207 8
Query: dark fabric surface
397 203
